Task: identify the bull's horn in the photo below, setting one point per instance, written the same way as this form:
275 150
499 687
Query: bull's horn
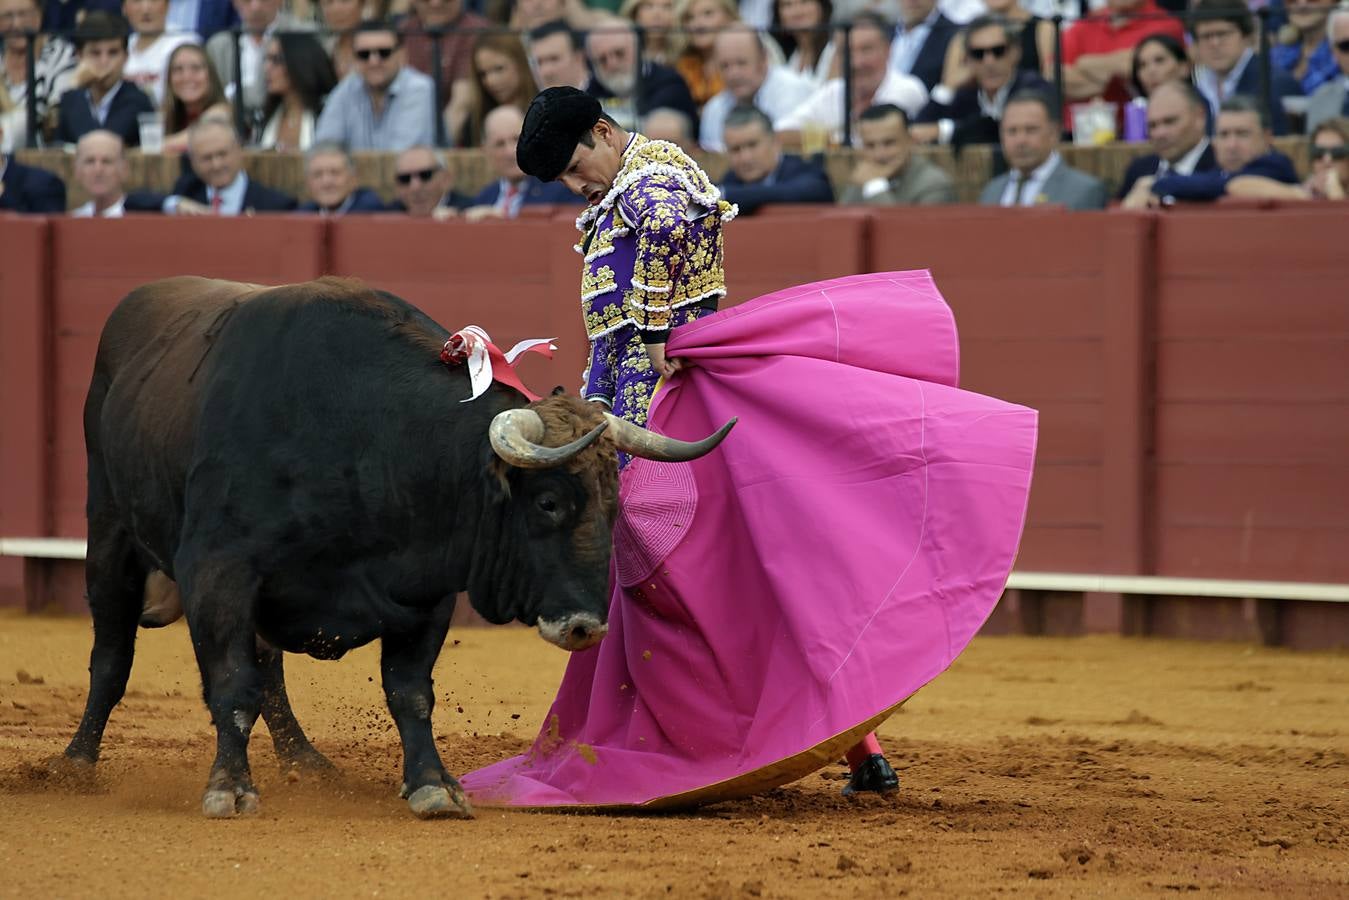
515 434
638 441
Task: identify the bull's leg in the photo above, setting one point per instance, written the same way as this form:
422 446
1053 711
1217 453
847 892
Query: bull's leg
292 746
114 579
220 598
406 663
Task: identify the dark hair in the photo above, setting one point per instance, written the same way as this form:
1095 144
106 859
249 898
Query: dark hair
1010 31
884 111
1240 103
507 44
377 26
745 114
1167 43
787 41
588 137
176 115
1234 11
1039 98
100 25
557 26
309 69
870 19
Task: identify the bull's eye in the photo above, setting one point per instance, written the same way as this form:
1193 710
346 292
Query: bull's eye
547 504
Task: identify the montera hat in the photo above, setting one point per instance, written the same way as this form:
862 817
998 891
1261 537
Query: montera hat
554 124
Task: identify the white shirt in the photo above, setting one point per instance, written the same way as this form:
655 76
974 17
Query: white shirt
1185 165
231 195
145 68
820 74
1209 84
781 92
1034 184
116 211
826 106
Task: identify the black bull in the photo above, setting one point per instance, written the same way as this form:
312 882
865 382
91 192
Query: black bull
298 461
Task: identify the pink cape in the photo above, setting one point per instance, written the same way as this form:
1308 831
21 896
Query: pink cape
780 597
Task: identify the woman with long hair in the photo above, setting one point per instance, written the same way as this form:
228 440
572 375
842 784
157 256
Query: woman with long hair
194 88
656 21
701 20
1157 59
299 78
801 27
501 77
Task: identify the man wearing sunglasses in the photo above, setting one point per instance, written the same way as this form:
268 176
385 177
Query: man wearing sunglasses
382 104
425 186
1332 98
971 114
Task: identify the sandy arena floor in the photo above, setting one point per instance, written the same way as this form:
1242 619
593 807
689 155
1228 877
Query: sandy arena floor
1037 767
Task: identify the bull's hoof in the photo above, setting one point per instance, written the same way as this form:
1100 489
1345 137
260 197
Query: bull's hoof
434 801
73 773
228 804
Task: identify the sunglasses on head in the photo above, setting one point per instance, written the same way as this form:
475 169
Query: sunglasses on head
381 52
997 51
1340 152
420 174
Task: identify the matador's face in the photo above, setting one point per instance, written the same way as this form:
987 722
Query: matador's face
592 170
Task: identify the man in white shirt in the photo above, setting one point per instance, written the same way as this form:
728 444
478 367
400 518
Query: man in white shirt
750 79
1030 135
101 170
873 82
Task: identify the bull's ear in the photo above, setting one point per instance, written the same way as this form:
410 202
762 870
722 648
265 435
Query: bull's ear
559 390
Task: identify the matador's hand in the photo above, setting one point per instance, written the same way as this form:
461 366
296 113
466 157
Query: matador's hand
662 366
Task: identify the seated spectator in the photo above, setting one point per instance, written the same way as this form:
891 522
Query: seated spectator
872 83
424 184
149 47
512 188
1034 35
330 178
530 14
1157 59
1098 50
556 55
887 172
1304 51
54 64
1332 98
384 104
218 185
453 29
1177 122
1329 153
194 91
920 41
1241 145
1038 175
299 77
751 80
971 114
259 20
103 99
501 77
801 28
760 173
670 125
625 93
101 170
1222 31
656 19
340 19
27 189
203 17
700 21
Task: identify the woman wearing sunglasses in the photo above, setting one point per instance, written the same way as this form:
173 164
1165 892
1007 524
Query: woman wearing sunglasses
1329 156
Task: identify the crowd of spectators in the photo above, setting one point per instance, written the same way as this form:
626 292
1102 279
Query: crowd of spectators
761 81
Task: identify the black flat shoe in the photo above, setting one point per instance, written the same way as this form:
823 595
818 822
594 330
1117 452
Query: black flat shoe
873 775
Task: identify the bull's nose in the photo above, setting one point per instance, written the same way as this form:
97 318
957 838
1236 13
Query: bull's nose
574 632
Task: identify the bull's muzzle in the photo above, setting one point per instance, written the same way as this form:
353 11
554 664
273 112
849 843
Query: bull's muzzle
575 632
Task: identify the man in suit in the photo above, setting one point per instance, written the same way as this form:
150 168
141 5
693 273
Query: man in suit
1241 145
887 172
1223 32
921 39
1331 100
26 189
1177 121
330 178
557 57
104 100
760 173
424 183
625 94
512 189
101 170
219 186
971 114
1038 175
